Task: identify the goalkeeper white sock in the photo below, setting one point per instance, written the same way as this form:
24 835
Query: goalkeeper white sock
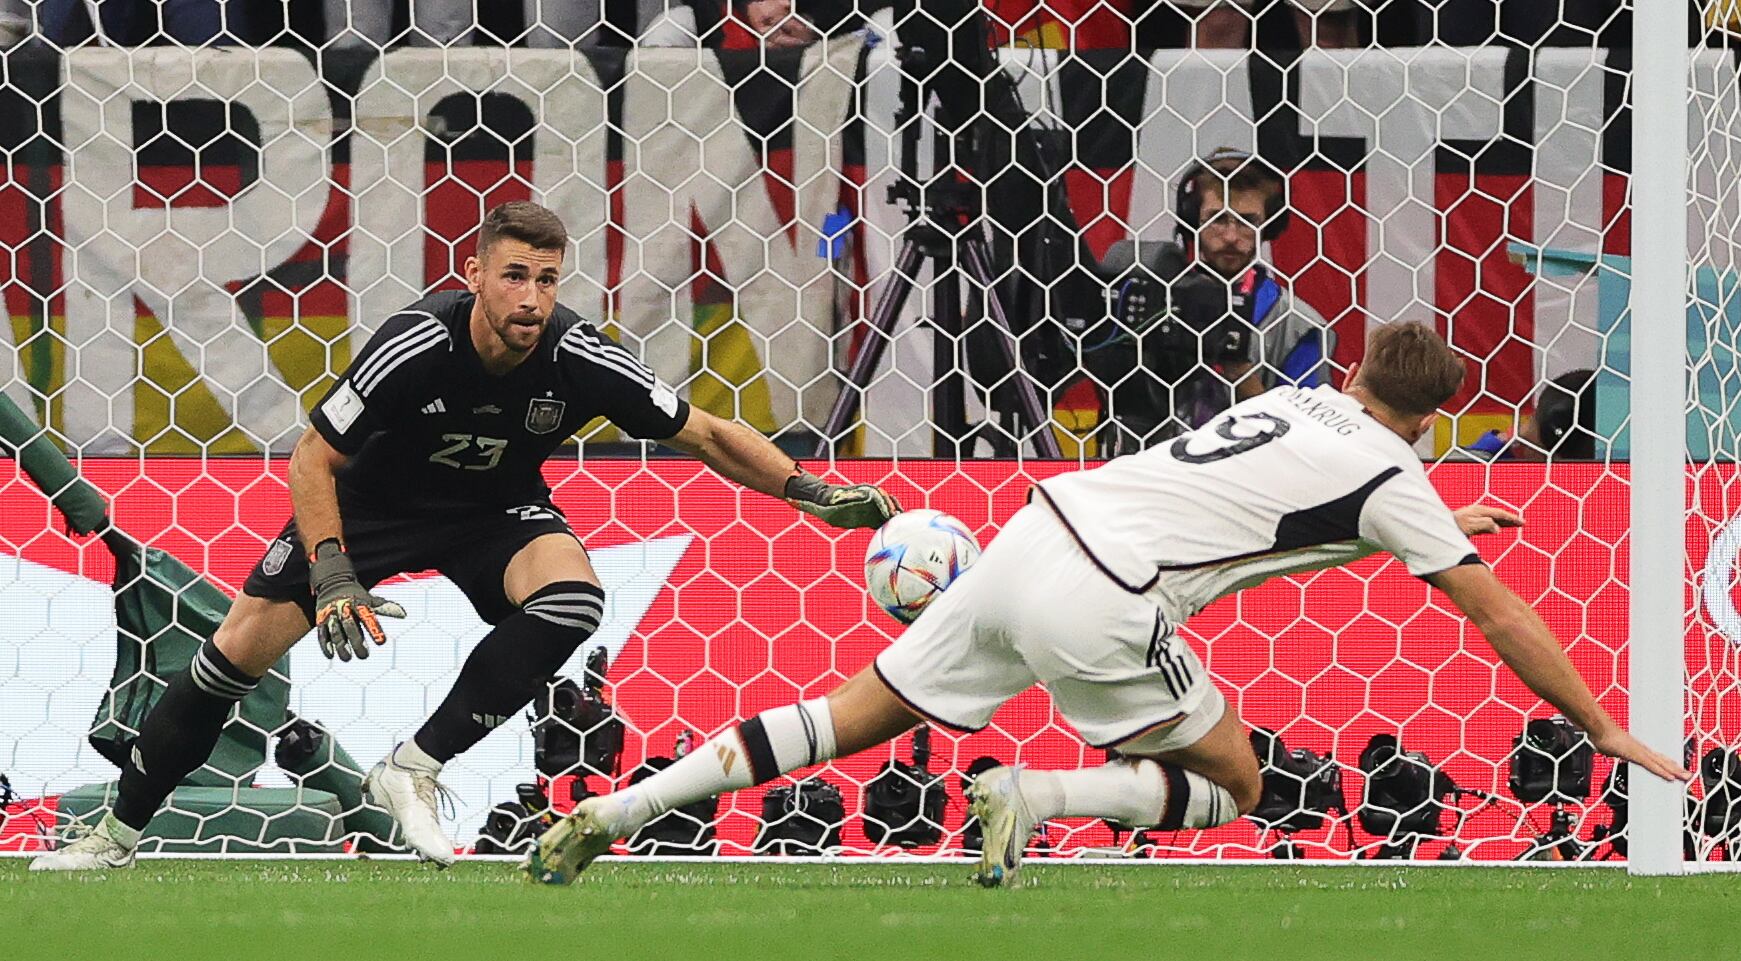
1140 793
756 751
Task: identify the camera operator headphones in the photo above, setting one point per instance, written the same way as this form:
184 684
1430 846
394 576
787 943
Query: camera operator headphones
1227 161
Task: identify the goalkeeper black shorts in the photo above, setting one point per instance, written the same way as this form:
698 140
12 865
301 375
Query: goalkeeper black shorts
472 548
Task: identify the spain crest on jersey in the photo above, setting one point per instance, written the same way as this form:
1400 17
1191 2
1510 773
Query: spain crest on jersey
544 415
273 563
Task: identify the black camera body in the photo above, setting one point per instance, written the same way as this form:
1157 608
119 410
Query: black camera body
688 830
903 804
1405 792
578 732
1167 325
514 826
1181 317
801 819
1720 775
1300 787
1551 760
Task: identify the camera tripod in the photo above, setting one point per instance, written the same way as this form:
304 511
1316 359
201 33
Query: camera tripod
943 217
1559 842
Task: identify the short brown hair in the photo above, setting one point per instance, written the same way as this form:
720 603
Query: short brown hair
522 220
1409 368
1237 175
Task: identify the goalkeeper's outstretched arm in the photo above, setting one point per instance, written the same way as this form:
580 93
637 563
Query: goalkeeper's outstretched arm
1525 644
739 454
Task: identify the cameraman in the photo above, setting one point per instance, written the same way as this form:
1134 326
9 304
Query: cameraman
1223 328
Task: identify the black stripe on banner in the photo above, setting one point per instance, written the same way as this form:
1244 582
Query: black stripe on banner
763 766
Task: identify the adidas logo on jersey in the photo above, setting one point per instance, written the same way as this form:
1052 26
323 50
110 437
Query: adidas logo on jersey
436 406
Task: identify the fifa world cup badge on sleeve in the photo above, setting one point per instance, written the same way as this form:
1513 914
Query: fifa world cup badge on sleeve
544 415
342 408
664 398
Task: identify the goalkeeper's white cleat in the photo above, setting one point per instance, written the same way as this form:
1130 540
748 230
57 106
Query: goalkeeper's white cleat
412 796
995 798
96 851
572 843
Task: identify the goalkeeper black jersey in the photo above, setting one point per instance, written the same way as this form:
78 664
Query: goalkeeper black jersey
426 426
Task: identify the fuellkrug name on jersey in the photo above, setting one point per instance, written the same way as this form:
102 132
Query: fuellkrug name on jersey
1320 410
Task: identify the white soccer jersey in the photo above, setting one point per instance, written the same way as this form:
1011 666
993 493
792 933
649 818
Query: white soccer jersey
1294 479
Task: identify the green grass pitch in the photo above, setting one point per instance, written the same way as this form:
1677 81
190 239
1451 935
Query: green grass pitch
865 912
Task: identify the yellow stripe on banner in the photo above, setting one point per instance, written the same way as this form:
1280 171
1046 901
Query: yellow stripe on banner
1723 15
1074 428
1048 36
42 362
1468 429
731 379
174 412
309 352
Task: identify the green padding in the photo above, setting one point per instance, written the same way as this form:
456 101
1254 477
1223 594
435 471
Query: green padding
77 500
212 820
329 767
163 613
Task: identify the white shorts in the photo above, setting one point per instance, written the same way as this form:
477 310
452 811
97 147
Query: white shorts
1035 608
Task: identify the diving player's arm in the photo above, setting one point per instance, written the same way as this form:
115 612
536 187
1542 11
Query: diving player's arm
1522 640
1484 519
744 456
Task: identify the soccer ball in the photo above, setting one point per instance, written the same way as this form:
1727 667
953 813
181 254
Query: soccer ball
915 557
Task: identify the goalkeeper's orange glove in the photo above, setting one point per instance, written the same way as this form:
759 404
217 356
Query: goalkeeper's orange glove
345 613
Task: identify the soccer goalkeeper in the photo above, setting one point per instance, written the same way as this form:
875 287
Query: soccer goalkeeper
427 454
1085 587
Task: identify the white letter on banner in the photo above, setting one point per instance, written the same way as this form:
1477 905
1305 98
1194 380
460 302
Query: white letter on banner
1196 101
686 149
177 260
1404 109
1567 187
560 89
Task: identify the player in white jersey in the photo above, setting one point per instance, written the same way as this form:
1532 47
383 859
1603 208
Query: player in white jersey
1085 587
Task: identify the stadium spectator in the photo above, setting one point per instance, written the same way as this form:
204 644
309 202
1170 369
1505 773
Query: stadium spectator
369 23
773 24
1227 204
132 23
1562 426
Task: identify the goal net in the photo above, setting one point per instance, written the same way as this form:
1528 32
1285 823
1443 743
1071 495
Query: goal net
193 242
